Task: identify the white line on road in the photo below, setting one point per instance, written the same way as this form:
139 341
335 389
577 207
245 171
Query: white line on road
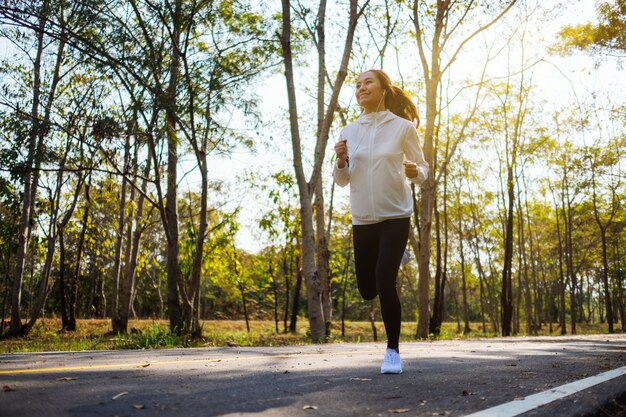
517 407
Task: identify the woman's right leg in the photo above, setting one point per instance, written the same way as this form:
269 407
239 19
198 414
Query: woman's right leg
392 237
365 243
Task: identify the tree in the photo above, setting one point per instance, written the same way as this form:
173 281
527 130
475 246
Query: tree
447 18
282 224
608 37
47 86
309 188
606 205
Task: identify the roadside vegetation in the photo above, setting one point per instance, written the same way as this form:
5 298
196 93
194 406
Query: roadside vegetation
122 122
95 334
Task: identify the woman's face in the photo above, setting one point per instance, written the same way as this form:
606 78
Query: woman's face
369 92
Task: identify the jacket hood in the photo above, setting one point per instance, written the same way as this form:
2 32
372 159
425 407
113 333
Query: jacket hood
376 117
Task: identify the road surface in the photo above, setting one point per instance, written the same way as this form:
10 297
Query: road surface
541 376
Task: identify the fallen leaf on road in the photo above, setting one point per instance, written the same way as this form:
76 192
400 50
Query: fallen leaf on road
400 410
309 407
119 395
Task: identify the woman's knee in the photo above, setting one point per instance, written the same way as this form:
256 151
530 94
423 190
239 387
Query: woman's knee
367 292
388 292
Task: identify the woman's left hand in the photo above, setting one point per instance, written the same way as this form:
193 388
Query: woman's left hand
410 169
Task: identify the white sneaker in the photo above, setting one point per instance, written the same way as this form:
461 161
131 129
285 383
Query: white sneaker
392 364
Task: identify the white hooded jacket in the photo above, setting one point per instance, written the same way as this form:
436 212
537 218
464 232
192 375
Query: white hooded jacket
378 144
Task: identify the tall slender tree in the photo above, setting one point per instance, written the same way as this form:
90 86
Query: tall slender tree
308 187
444 19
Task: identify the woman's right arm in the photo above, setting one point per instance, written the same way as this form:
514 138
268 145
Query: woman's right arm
341 170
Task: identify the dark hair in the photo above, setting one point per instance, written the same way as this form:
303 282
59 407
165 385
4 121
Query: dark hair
396 100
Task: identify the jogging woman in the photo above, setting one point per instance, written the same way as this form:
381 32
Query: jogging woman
379 154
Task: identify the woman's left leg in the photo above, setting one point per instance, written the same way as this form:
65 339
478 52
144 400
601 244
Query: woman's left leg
393 238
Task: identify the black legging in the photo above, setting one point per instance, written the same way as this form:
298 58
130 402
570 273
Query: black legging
378 250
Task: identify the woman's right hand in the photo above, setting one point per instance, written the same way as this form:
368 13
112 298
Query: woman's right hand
341 150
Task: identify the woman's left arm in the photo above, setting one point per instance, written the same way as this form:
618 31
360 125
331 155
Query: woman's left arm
416 167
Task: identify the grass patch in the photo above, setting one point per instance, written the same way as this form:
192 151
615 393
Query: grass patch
95 334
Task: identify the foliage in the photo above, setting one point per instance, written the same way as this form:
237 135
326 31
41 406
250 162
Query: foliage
607 37
148 334
107 129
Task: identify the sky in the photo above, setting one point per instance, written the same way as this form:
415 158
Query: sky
568 79
559 80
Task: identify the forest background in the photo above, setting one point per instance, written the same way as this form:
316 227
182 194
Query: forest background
171 160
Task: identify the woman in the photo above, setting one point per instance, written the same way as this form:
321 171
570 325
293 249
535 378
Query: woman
375 155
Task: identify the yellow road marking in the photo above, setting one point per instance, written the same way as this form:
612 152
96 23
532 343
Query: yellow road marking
187 361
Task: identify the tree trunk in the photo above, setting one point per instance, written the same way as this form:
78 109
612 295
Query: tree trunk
475 245
296 299
175 282
31 179
244 302
562 323
602 227
55 230
605 282
316 318
117 323
344 289
442 261
432 78
507 282
272 277
571 273
524 268
323 258
73 302
134 240
306 189
433 71
65 317
287 273
493 304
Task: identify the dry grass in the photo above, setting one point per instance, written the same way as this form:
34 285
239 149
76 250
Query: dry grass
96 334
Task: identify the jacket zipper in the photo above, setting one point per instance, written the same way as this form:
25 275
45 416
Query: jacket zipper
370 171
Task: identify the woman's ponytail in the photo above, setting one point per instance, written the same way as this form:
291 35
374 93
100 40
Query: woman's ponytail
396 100
400 104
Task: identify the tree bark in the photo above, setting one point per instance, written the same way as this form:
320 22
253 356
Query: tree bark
433 71
73 302
602 228
31 178
296 298
507 281
306 189
134 240
116 319
466 324
175 282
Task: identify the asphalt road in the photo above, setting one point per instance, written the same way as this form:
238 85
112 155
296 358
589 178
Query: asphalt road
441 378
